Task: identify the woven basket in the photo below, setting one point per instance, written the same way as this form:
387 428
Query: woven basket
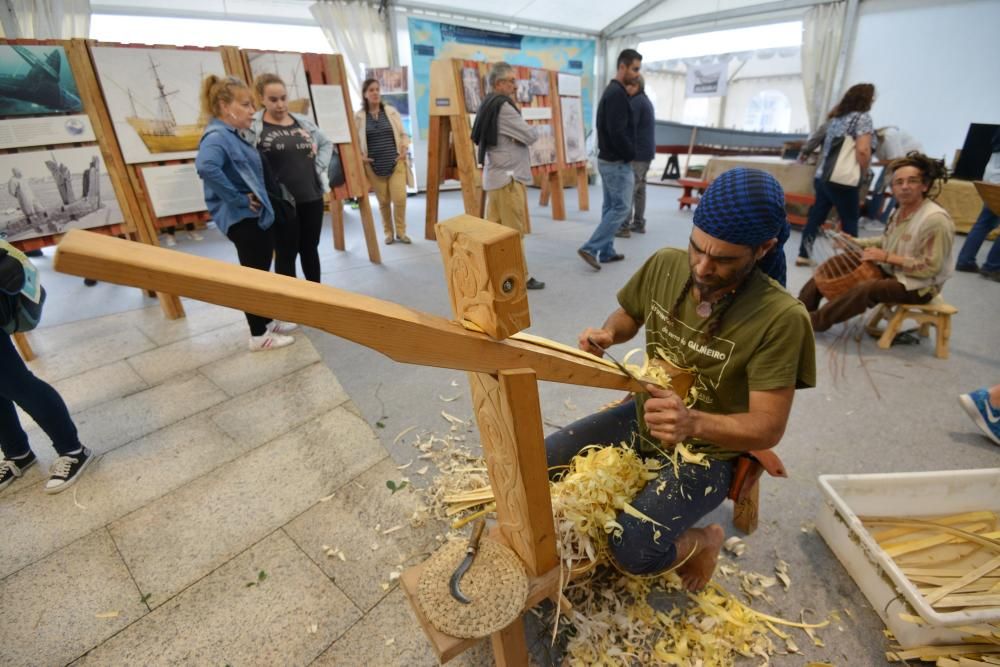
842 272
496 583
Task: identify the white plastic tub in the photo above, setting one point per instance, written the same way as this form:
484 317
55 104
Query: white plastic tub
878 577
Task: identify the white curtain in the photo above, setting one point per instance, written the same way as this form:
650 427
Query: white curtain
46 19
355 29
823 30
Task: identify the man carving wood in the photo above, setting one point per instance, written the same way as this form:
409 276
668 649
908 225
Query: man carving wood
722 312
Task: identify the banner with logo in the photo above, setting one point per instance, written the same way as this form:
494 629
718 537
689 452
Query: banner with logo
706 80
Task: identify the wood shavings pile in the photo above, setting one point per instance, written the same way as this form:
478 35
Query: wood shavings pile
614 623
586 499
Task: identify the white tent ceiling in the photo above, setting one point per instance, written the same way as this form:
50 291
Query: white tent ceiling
591 17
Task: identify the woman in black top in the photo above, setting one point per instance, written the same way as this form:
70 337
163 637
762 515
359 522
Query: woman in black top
383 146
297 155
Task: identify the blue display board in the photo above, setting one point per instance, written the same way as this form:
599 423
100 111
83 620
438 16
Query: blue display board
431 40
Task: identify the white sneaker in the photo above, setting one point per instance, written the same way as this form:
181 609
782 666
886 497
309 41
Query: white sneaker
169 240
195 235
269 341
279 327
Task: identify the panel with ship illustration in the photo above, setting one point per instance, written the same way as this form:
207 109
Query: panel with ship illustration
289 67
36 80
50 192
153 98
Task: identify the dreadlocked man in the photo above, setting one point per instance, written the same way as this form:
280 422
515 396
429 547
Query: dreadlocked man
914 253
721 310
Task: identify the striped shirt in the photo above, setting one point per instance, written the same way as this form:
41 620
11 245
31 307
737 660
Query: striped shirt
381 143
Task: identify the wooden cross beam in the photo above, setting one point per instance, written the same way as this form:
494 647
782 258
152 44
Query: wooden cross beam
485 270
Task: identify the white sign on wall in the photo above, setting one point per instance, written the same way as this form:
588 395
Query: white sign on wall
331 116
706 80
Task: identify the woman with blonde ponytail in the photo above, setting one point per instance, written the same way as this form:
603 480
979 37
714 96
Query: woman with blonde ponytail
233 177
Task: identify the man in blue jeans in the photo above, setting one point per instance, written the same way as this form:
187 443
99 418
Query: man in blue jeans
987 222
615 152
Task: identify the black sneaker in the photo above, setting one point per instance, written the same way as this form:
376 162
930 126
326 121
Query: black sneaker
623 233
67 470
971 267
11 469
534 284
638 230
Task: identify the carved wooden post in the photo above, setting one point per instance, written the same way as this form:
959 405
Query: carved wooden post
485 270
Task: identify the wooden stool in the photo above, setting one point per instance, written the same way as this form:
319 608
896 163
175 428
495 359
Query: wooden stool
689 198
937 313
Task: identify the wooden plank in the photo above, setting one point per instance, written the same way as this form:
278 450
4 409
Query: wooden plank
337 222
402 333
515 457
473 197
509 647
437 150
555 176
350 158
582 188
24 346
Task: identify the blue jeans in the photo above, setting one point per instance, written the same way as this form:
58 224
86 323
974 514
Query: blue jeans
38 399
638 550
987 222
618 181
828 196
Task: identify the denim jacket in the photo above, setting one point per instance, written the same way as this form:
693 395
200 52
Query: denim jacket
324 147
230 169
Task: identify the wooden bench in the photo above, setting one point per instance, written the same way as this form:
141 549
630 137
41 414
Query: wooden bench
796 198
689 198
936 314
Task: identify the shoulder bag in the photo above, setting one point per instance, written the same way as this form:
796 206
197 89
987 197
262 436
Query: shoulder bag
841 166
21 294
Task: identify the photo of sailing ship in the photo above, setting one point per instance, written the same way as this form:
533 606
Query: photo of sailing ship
36 80
289 67
153 98
49 192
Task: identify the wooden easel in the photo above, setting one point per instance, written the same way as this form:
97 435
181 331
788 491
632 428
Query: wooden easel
552 186
329 70
450 151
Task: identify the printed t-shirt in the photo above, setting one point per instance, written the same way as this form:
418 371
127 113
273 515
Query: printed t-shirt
292 156
765 341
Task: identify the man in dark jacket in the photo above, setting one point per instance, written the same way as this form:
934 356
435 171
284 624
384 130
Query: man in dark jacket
645 150
616 149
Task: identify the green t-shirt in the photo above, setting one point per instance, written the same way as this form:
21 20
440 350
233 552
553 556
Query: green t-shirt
765 340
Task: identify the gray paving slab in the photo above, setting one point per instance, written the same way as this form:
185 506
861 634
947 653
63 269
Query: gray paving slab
93 387
188 354
118 483
238 374
222 621
87 350
200 318
389 634
110 425
177 540
58 608
371 527
281 406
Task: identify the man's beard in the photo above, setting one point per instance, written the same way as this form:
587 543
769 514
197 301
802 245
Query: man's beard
706 291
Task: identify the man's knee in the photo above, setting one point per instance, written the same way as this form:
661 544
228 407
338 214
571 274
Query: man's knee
638 552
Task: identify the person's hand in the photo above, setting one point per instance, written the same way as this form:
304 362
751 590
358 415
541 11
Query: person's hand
367 159
401 156
602 337
668 420
254 202
875 255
